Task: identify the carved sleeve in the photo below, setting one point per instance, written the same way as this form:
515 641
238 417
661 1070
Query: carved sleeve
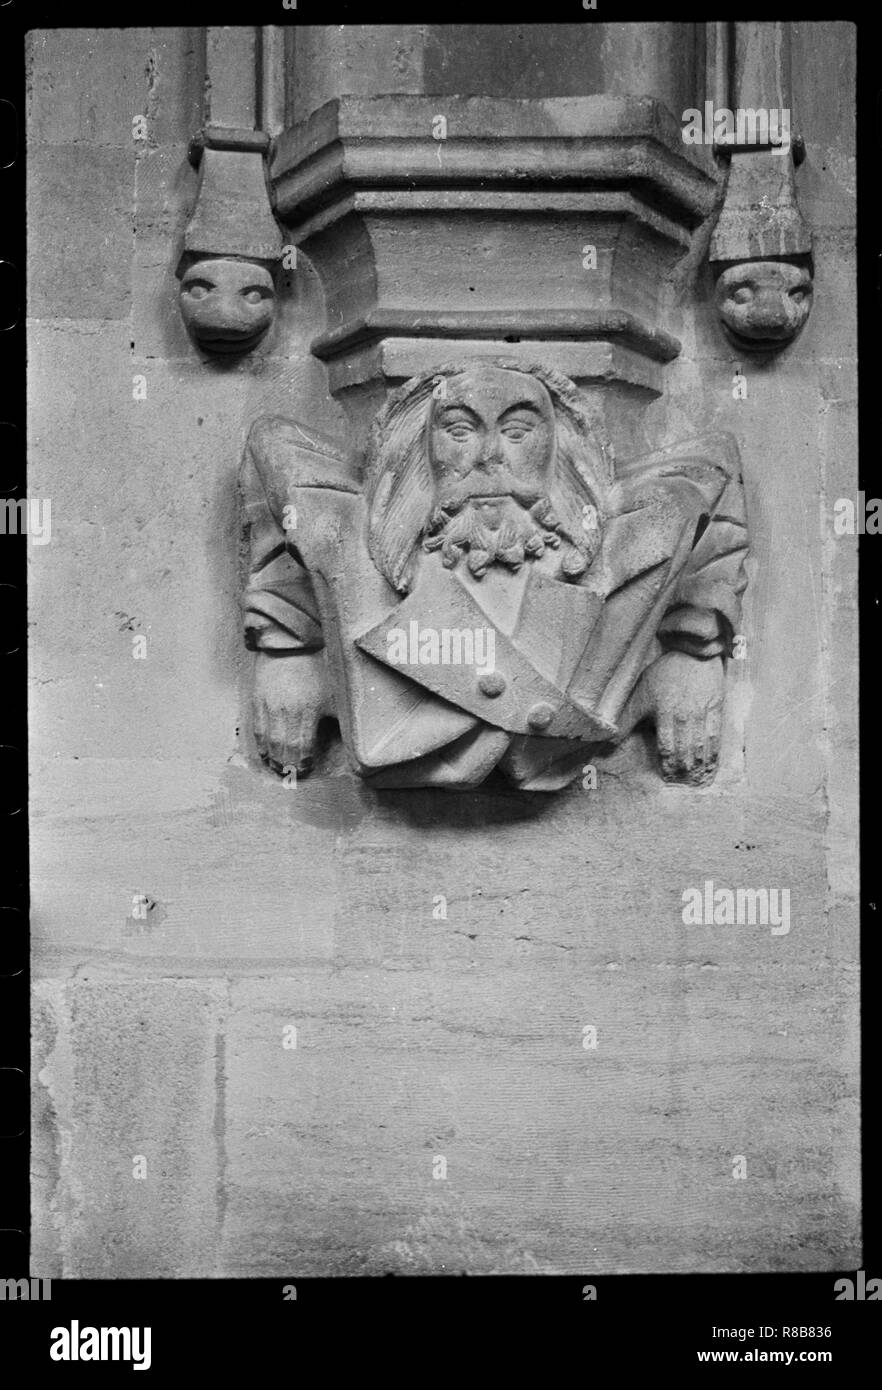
279 606
706 609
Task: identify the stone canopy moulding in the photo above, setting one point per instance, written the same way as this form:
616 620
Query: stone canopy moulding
473 243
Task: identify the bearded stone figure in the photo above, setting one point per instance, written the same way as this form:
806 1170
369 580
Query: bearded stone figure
493 595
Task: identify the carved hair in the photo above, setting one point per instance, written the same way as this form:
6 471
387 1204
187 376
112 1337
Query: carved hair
400 488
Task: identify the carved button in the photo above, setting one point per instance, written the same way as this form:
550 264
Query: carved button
491 684
540 715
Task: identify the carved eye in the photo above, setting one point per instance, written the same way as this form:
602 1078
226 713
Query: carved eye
198 289
460 431
743 294
798 294
516 432
254 295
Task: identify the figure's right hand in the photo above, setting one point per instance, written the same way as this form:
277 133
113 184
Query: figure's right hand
292 693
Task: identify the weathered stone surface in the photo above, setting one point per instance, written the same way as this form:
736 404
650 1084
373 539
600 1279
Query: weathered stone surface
157 73
710 1043
96 820
511 60
231 55
100 252
129 1071
823 76
608 1140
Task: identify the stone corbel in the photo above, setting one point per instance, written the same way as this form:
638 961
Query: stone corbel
232 245
471 584
761 248
491 596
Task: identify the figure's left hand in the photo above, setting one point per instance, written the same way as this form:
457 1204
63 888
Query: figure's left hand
685 698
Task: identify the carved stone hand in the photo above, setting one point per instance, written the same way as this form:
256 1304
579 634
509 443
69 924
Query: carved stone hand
684 698
292 693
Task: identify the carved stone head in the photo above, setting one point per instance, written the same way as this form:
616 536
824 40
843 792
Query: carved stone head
227 305
489 463
763 304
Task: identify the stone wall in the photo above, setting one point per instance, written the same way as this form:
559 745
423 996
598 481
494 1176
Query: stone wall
166 1036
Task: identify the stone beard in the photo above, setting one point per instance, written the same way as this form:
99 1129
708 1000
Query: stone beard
488 466
500 530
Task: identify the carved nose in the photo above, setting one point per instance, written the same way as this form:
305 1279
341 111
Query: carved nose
771 314
226 324
489 458
231 314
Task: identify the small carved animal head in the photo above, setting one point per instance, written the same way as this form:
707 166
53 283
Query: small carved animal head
763 304
488 457
227 305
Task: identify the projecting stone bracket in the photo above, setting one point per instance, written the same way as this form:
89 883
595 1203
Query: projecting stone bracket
761 248
493 595
232 246
469 584
761 254
229 264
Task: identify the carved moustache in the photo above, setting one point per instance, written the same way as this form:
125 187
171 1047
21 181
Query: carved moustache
497 482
